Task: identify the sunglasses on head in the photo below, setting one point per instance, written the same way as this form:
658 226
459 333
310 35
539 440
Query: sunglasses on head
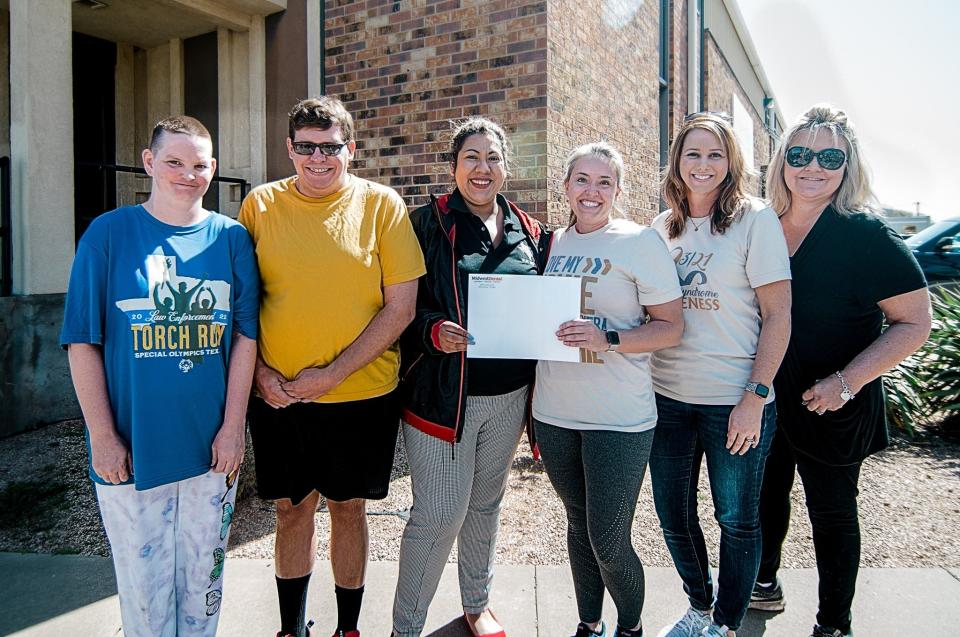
708 115
308 148
828 158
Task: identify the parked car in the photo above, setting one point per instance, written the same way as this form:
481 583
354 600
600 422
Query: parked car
937 249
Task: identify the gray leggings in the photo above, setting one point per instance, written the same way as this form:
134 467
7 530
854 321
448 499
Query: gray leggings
597 475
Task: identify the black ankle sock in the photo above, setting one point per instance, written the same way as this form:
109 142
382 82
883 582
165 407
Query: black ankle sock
293 605
348 607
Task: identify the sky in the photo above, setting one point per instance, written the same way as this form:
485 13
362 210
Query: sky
893 66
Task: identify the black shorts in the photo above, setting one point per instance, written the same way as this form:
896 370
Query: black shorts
343 450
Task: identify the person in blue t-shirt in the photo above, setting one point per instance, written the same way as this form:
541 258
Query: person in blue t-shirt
161 326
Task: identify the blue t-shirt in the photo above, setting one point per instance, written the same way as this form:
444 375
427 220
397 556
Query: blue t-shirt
163 301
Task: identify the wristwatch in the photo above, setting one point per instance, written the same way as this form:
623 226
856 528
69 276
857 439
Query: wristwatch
759 389
845 393
613 340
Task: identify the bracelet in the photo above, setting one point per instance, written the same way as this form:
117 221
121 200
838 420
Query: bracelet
845 393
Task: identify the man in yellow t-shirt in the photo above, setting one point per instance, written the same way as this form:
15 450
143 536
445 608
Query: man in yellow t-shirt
339 264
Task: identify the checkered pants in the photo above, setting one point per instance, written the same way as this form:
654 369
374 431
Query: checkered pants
456 497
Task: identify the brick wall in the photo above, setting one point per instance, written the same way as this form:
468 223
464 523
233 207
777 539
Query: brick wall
720 86
603 60
404 69
678 66
554 73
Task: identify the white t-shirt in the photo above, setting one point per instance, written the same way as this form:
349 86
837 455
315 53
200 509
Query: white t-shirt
721 314
622 268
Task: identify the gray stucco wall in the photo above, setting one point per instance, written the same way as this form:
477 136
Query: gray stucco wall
35 386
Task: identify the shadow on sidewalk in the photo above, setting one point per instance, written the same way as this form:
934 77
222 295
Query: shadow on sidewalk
38 588
755 623
454 628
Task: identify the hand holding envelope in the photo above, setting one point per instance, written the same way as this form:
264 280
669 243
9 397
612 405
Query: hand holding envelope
517 316
453 338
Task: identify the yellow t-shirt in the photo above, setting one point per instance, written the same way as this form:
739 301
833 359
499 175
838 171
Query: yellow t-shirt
323 265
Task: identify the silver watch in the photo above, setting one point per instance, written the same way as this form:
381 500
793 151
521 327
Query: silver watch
845 393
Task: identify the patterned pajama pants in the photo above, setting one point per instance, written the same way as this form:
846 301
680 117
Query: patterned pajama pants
168 546
456 498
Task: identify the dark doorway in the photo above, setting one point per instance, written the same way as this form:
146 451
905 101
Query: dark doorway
94 129
201 97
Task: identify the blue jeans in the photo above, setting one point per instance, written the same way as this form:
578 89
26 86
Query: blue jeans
685 434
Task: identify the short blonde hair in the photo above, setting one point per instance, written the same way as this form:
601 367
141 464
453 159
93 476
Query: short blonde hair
855 192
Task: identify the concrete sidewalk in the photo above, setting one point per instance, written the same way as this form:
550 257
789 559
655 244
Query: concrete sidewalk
43 595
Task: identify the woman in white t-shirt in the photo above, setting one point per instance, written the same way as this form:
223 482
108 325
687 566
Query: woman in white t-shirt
714 395
595 418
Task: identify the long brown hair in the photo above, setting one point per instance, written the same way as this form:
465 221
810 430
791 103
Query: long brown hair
733 197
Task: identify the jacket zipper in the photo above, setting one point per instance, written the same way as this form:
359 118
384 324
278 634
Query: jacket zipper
413 364
463 355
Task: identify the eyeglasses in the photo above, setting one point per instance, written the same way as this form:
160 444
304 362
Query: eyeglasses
828 158
308 148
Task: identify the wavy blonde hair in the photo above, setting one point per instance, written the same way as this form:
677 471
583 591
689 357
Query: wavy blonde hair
855 192
733 198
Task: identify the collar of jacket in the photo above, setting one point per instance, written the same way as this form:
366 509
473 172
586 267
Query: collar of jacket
442 205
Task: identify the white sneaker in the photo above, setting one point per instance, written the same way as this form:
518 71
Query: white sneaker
692 624
716 630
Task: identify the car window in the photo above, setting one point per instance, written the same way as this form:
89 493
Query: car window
940 228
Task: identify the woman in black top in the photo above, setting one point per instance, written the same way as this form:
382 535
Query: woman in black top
850 273
462 418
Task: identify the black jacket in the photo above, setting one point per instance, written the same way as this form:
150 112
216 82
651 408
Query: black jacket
434 384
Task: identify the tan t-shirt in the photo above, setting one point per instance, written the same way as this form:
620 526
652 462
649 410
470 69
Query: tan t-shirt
622 267
323 266
721 314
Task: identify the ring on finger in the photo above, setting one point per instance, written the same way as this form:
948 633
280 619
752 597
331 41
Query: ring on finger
820 411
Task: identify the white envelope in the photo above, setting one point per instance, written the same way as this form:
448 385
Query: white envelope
517 316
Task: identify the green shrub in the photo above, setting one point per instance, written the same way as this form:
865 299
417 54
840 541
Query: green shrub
924 389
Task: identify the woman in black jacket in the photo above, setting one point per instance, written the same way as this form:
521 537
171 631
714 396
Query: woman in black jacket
462 418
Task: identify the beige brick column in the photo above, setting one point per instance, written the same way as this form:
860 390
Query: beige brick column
41 144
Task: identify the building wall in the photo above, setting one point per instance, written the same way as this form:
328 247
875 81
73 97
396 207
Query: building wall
36 387
286 80
41 91
678 65
722 30
721 86
4 83
603 84
405 69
